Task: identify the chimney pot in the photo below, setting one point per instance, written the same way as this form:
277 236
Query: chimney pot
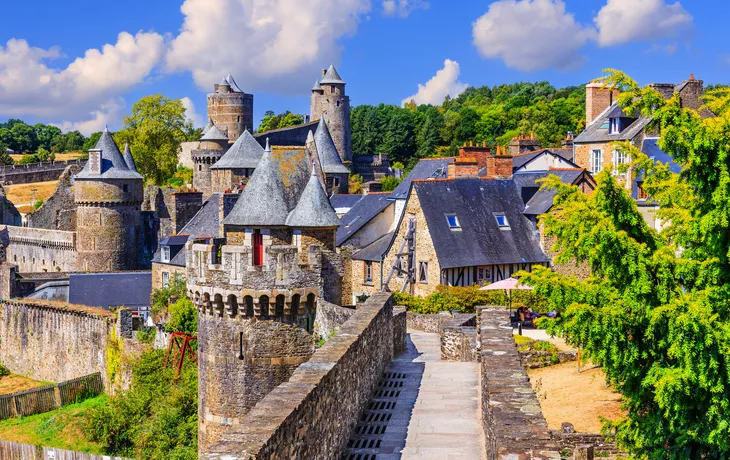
691 77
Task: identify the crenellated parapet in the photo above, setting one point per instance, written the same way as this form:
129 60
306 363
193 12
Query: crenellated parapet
41 237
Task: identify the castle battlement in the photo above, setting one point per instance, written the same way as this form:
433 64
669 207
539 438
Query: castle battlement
41 237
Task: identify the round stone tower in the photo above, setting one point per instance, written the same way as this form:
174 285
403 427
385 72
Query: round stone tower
330 102
230 108
108 194
213 145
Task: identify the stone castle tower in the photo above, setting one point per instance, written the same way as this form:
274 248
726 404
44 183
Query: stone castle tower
108 194
330 102
213 145
230 108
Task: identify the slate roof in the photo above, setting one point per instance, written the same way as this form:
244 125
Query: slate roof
224 82
650 147
596 133
232 84
246 152
328 156
480 240
518 161
345 201
427 168
376 250
130 289
331 77
273 190
214 134
113 165
317 86
540 201
289 136
203 223
360 214
314 208
55 291
207 126
128 159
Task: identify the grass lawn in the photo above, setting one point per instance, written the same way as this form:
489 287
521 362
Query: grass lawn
22 194
59 156
62 428
13 383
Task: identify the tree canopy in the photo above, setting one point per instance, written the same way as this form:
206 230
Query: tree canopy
654 312
494 115
282 120
155 130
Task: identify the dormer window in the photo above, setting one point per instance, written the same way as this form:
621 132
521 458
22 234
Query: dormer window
453 222
165 254
502 221
615 126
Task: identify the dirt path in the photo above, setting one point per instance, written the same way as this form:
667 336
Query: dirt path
12 383
579 398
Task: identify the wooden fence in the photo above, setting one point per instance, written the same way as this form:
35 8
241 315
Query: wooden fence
16 451
44 399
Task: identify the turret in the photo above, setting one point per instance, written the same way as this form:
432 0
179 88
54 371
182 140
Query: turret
213 145
330 102
230 108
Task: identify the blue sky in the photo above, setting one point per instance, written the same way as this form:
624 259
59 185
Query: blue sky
81 66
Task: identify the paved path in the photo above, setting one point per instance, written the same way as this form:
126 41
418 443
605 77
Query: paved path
423 408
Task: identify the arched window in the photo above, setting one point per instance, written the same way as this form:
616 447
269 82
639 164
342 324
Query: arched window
279 313
248 301
311 308
264 306
218 303
206 301
232 305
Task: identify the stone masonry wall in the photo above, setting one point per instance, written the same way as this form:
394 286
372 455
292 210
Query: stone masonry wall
51 341
514 426
313 414
59 211
37 250
39 172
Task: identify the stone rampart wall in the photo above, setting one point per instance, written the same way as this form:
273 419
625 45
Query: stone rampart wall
53 341
15 451
38 172
425 323
314 412
514 426
36 250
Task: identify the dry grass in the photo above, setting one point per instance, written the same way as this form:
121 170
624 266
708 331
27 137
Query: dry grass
59 156
22 194
13 383
579 398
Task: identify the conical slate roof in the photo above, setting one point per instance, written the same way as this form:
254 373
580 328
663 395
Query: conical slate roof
232 84
331 77
317 86
328 156
224 82
263 201
246 152
214 134
128 159
207 126
113 165
314 208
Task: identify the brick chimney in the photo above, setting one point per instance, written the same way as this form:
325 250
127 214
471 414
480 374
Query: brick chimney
480 153
499 165
524 144
568 141
463 166
598 100
691 92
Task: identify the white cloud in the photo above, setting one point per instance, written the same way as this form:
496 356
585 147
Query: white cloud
622 21
191 113
531 35
669 49
266 44
88 86
402 8
445 82
109 114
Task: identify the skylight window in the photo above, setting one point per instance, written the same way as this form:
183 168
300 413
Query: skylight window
453 222
352 222
502 221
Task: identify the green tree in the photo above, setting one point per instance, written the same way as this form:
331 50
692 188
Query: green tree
282 120
399 139
91 141
23 138
73 141
183 316
155 130
654 313
45 155
46 134
5 158
428 138
389 183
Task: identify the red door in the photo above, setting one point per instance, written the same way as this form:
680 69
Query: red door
258 248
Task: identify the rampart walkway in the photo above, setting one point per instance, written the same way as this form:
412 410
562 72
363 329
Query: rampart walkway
423 408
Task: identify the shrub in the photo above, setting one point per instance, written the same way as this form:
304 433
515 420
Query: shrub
183 317
161 297
38 204
465 299
28 159
156 419
389 183
147 334
4 371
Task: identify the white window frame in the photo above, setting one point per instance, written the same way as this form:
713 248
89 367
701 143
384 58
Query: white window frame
165 254
596 160
615 126
423 272
620 158
505 225
368 272
457 222
165 279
